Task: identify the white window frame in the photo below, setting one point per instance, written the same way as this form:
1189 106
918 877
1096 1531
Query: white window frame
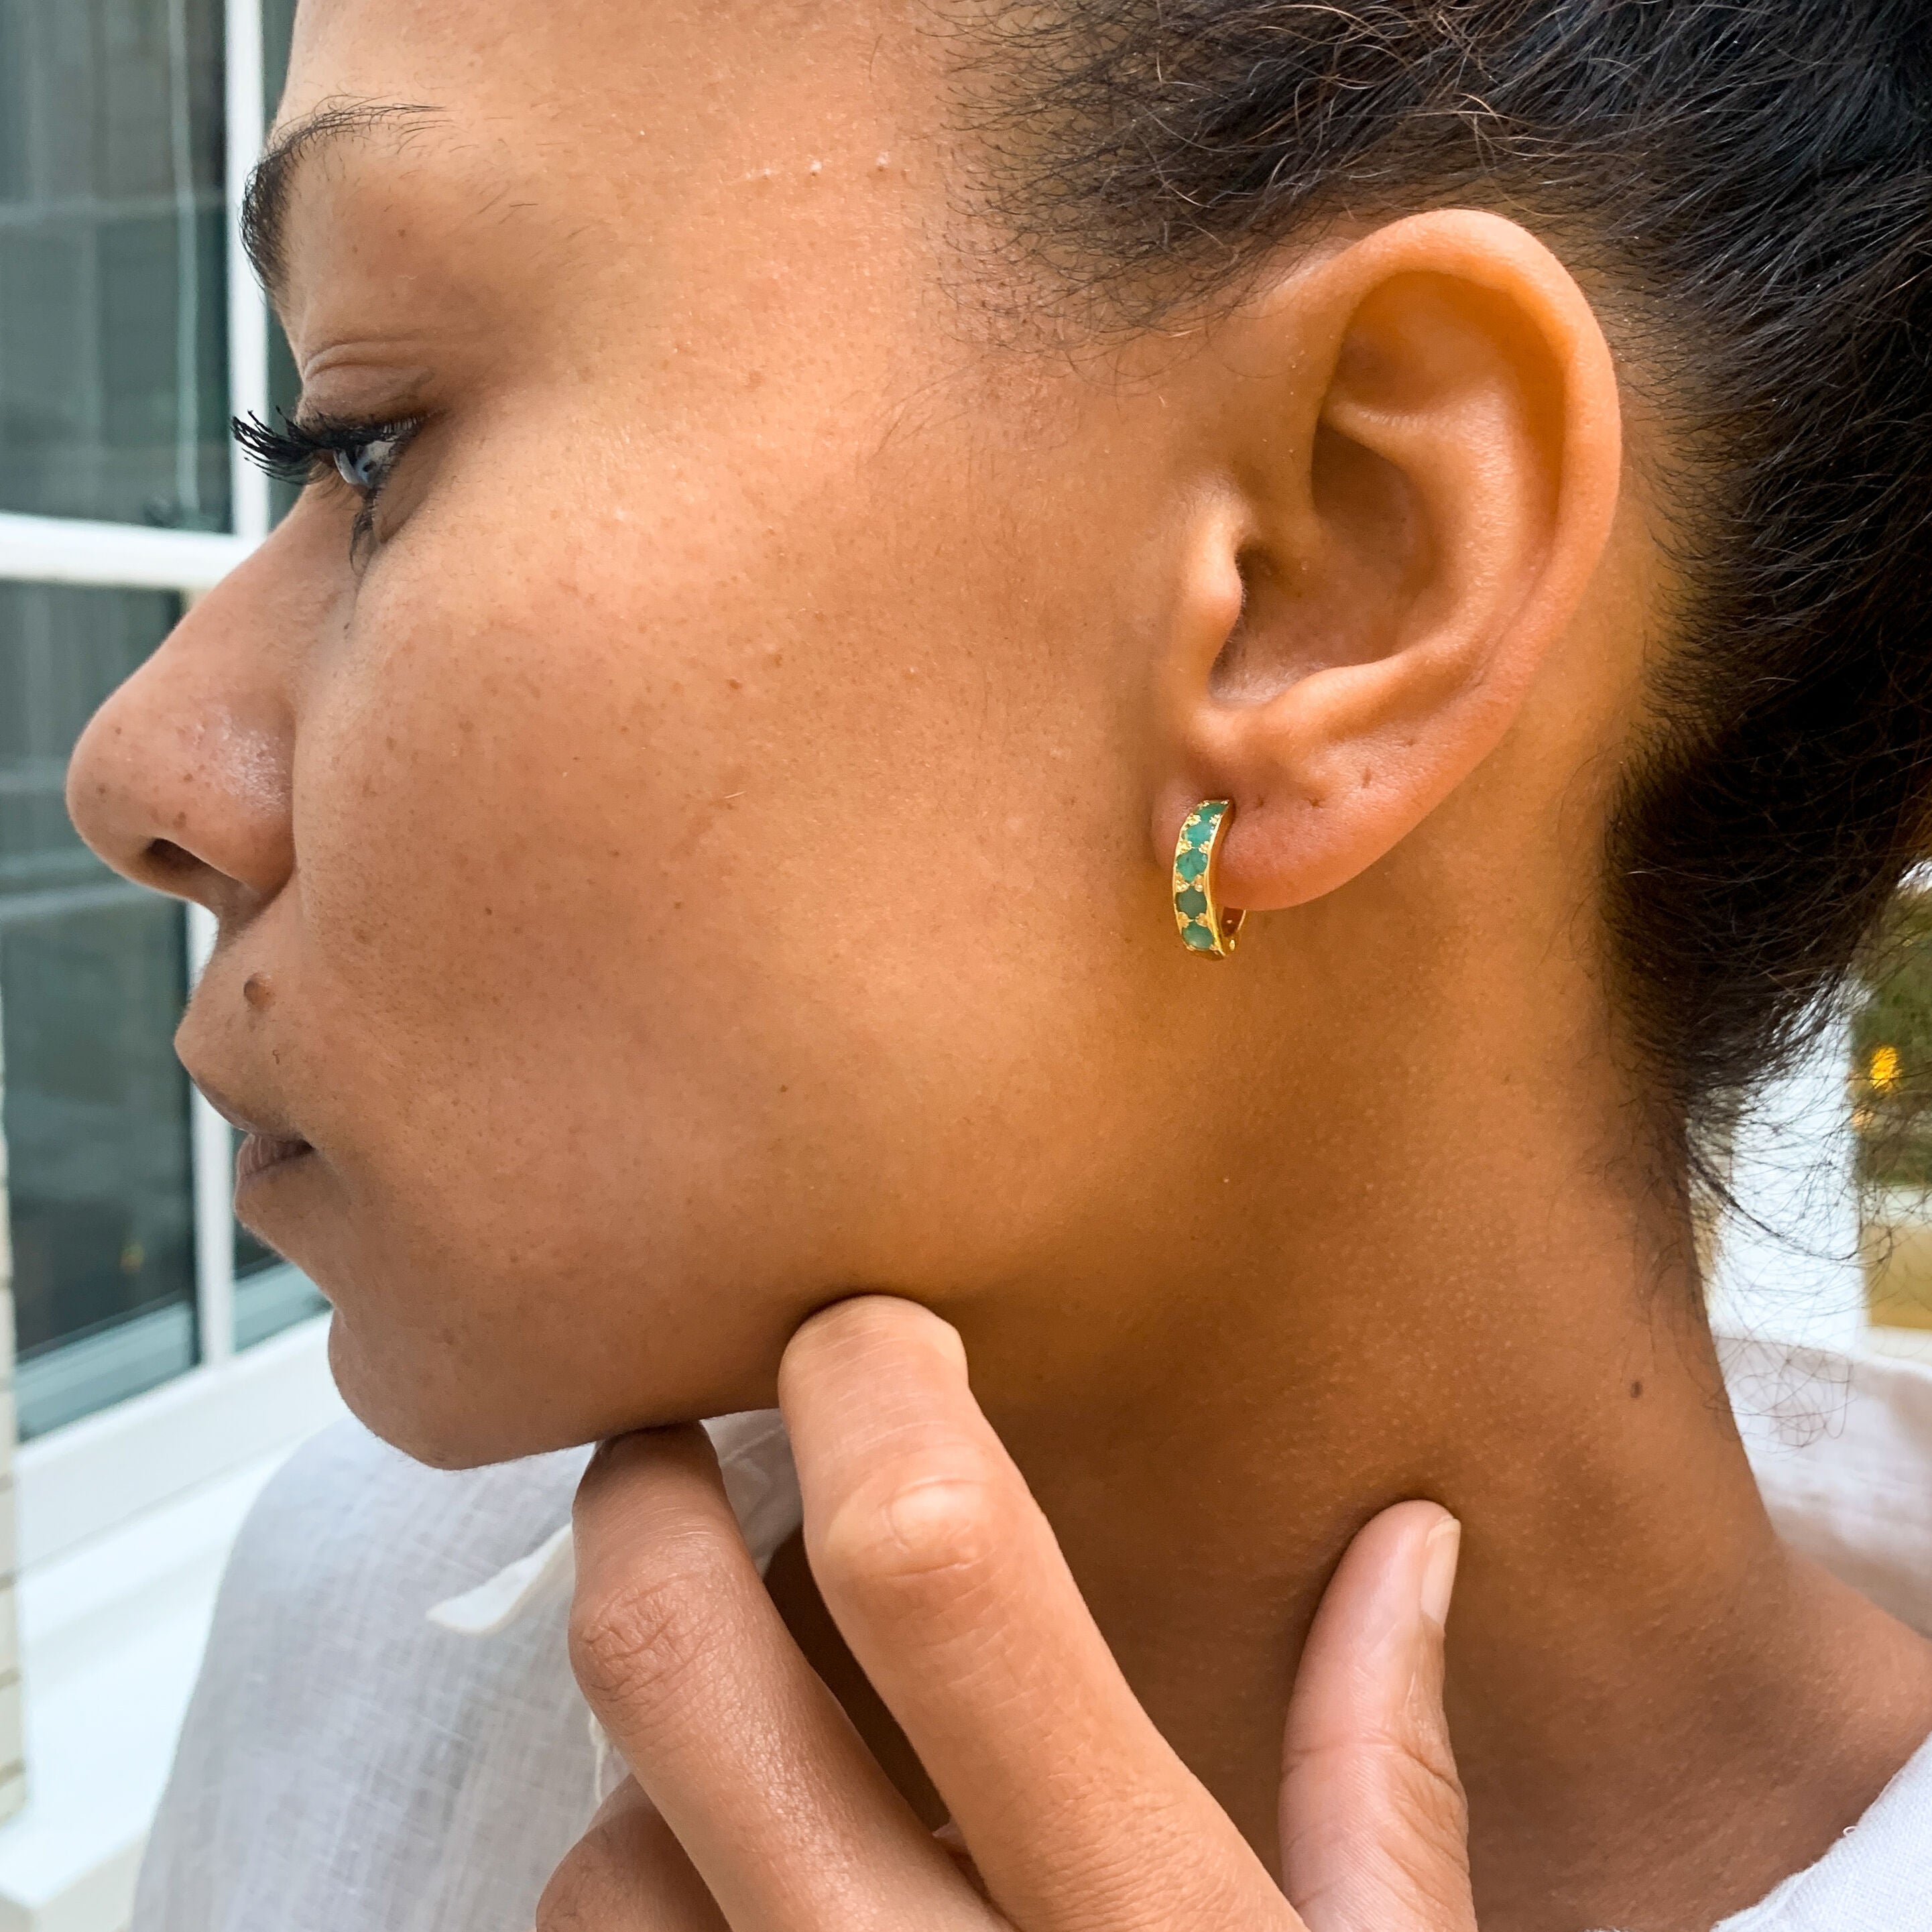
109 555
124 1517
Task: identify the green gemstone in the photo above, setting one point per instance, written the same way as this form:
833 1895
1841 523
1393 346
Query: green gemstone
1191 865
1201 937
1201 829
1193 902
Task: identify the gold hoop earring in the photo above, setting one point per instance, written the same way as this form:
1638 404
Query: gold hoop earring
1205 928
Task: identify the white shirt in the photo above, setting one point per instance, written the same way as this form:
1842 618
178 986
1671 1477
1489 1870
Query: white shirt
386 1737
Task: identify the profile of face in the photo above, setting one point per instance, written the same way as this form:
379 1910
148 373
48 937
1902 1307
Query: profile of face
689 794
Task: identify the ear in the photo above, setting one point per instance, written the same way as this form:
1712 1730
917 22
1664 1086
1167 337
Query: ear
1420 437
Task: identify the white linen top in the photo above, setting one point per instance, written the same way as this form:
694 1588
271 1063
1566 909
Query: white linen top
386 1736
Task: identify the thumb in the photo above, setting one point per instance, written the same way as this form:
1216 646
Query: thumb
1374 1829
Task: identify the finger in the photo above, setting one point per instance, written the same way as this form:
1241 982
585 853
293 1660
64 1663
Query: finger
682 1657
1374 1829
627 1873
947 1583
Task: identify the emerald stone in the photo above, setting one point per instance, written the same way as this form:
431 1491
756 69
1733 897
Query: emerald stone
1201 937
1193 902
1191 865
1202 831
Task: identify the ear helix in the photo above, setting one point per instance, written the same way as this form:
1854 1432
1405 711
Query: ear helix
1206 927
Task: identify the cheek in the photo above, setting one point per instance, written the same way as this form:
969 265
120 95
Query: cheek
684 924
502 781
584 824
539 1047
564 786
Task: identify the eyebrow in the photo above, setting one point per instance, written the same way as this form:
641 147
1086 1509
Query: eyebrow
265 203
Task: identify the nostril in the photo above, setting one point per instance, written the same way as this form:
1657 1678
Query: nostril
167 862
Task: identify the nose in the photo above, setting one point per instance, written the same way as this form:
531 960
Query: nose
182 779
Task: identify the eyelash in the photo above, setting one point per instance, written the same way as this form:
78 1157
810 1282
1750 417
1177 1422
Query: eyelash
317 447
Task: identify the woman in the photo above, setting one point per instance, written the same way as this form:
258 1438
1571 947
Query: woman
844 540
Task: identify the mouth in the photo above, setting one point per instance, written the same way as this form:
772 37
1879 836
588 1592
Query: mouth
266 1146
263 1153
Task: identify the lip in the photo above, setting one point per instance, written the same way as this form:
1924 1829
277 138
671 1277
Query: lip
266 1144
263 1153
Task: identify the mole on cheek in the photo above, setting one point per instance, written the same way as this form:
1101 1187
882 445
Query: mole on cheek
259 990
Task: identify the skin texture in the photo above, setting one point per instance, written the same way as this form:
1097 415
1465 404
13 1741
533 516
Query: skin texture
702 854
752 1804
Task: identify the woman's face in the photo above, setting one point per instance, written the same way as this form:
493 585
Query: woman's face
673 867
695 844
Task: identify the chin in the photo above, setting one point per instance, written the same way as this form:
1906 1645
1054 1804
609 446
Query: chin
452 1414
402 1411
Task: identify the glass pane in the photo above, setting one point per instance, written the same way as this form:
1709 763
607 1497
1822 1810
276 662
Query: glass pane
113 328
278 27
272 1298
92 974
1891 1110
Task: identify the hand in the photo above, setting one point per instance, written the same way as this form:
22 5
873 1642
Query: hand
753 1806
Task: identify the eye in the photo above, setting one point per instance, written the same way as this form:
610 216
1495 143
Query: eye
363 465
303 449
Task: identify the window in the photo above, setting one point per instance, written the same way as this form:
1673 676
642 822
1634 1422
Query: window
112 388
92 974
130 332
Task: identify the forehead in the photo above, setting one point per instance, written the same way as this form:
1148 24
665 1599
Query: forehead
623 126
695 60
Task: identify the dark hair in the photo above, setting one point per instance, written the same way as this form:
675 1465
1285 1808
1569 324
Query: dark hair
1746 186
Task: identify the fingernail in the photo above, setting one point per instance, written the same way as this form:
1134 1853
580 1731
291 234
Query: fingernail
1438 1569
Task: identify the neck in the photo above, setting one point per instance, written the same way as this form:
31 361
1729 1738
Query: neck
1463 1286
1658 1712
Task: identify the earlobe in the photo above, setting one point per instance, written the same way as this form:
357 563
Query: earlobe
1425 431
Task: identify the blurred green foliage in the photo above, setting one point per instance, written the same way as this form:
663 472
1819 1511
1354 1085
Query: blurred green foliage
1891 1093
